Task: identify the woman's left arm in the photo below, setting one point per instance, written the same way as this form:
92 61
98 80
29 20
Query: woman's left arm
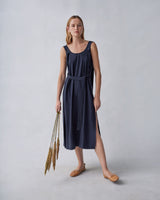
96 65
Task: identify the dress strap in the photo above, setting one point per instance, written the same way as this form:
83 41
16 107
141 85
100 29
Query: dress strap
66 49
89 45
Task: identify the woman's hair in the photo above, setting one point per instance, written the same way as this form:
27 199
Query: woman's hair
68 35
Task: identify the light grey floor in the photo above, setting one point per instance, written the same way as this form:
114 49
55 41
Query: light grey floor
27 181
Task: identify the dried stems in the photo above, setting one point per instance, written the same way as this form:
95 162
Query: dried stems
54 147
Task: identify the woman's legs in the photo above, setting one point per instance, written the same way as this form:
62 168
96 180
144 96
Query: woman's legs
79 153
99 149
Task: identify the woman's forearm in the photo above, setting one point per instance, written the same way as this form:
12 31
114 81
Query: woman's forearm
98 83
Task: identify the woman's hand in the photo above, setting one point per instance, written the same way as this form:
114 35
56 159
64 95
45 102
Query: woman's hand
97 103
58 106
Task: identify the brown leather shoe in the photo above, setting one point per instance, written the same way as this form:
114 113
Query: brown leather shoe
77 172
113 178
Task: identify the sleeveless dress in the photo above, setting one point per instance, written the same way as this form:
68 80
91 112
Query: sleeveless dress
79 116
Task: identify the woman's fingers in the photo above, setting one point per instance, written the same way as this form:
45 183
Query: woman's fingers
58 106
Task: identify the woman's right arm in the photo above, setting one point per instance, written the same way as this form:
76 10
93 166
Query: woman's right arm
61 78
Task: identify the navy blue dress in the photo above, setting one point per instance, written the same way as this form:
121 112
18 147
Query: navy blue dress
79 116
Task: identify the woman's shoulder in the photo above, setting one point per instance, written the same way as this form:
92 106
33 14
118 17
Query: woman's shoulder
64 48
90 41
93 44
63 51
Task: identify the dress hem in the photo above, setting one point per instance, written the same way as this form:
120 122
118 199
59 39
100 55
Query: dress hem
72 148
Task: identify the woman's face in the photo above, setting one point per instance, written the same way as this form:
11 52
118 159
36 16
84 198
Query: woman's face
75 27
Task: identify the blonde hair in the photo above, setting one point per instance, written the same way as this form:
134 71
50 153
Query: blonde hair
68 35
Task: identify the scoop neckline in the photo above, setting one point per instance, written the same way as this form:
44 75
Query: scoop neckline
79 52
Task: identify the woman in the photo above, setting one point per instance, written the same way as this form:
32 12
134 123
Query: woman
80 120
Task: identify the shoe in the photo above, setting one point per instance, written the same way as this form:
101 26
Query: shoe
113 177
77 172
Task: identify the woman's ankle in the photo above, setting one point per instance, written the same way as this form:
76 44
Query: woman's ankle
81 164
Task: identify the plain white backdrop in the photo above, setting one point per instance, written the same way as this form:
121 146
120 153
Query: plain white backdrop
127 36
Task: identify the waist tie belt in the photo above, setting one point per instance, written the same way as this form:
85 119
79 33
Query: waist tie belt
79 77
80 95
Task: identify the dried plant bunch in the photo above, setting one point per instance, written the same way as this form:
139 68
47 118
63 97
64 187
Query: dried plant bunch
58 143
54 146
48 162
54 155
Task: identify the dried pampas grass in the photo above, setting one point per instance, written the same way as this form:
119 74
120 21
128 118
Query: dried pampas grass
48 162
54 155
58 143
54 147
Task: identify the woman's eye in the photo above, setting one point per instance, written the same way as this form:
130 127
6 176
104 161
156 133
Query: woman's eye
73 25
